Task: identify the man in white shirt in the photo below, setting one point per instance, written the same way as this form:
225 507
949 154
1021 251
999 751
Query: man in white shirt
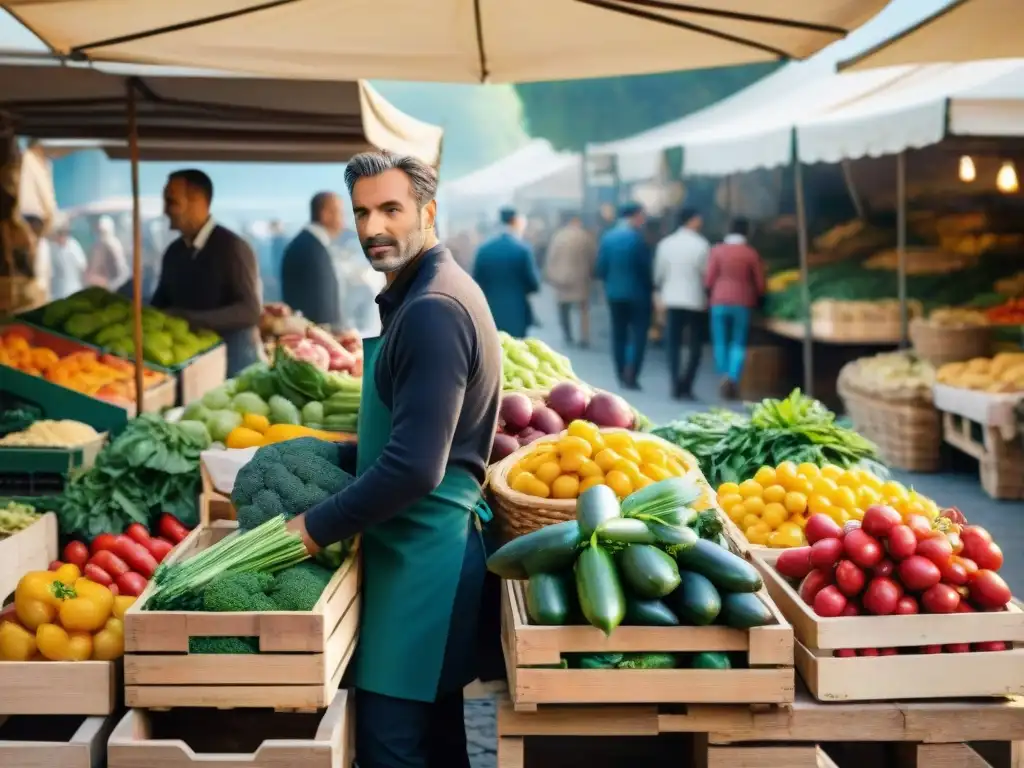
308 282
69 262
680 263
108 266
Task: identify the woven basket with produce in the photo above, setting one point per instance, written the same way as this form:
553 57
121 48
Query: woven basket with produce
951 335
538 484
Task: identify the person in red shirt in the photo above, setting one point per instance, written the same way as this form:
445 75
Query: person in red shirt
735 283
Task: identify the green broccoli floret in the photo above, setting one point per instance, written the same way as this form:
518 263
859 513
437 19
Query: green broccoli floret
287 479
239 592
298 588
223 645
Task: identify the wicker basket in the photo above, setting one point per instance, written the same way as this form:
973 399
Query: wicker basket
940 345
907 431
517 513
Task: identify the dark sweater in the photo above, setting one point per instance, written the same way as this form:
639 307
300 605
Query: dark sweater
308 282
439 373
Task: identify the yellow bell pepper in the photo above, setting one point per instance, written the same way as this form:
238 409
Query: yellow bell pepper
88 610
38 598
54 642
108 643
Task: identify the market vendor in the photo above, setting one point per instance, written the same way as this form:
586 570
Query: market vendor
431 386
209 275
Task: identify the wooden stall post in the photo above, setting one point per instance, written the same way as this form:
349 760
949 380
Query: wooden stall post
133 153
901 246
805 288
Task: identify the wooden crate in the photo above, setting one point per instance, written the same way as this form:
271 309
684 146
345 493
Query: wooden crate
213 505
86 747
303 654
905 676
206 371
28 687
183 738
769 679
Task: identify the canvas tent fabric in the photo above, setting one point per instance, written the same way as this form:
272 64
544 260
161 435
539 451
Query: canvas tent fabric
535 171
965 30
211 117
443 40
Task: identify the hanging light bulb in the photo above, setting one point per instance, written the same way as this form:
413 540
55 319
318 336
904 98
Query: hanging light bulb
1006 179
967 170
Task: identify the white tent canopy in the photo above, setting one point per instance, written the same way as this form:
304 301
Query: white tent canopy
536 171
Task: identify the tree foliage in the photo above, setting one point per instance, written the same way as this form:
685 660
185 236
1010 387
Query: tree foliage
572 113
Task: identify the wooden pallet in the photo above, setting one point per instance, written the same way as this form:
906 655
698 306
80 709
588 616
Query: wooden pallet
907 675
207 370
235 739
213 505
303 654
769 649
86 747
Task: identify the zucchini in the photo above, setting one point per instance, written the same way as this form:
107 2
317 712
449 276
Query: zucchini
547 550
549 599
625 530
661 497
744 610
696 601
648 613
647 571
710 660
728 572
600 593
593 507
678 536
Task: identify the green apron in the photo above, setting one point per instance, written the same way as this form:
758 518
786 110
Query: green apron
411 566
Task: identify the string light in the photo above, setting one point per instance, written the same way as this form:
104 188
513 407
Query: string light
1006 179
967 171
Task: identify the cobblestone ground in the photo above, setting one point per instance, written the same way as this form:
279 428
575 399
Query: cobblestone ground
481 733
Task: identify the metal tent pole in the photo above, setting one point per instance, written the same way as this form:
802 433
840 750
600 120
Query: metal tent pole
133 153
805 289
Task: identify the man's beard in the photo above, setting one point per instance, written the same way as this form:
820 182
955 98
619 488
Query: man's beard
400 254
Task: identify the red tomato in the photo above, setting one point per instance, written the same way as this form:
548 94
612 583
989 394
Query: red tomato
882 596
110 563
901 542
103 541
973 535
851 609
171 528
135 555
964 607
825 553
884 568
938 550
991 645
957 648
988 590
821 527
931 649
137 532
953 573
989 557
969 565
921 526
131 583
918 573
906 606
159 548
849 578
844 653
794 563
867 651
940 598
955 542
113 589
97 574
879 520
863 549
813 583
888 652
829 602
54 565
76 552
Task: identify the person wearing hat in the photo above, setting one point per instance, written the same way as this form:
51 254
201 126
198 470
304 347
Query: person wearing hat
625 266
506 272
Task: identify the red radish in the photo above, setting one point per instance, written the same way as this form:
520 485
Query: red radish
862 549
851 609
137 532
608 410
516 410
545 420
821 527
825 553
867 652
953 573
879 520
906 606
930 649
101 542
568 400
829 602
957 648
849 578
940 598
938 550
794 563
901 542
921 526
888 652
503 445
813 583
76 552
881 596
884 568
94 573
988 590
989 557
991 645
918 573
844 653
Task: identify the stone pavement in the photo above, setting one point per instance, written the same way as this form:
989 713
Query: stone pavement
481 733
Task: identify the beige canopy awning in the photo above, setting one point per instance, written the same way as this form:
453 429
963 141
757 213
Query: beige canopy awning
211 117
442 40
963 31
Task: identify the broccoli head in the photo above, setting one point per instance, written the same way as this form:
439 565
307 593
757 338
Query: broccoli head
223 645
298 588
287 479
239 592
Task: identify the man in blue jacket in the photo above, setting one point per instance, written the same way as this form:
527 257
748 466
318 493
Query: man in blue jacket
625 266
507 274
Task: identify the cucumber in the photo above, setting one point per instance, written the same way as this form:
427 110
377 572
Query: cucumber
647 571
600 593
728 572
547 550
678 536
549 599
593 507
648 613
710 660
696 601
624 530
744 610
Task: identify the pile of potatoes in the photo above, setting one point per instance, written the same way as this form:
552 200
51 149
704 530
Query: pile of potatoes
1003 373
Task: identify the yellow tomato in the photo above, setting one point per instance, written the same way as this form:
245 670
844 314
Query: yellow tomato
652 454
619 482
728 488
758 534
675 467
848 479
585 429
729 500
606 459
765 476
818 505
642 481
573 444
894 490
589 482
856 513
513 473
108 644
656 472
750 488
788 536
774 514
913 508
571 462
16 642
795 503
630 470
590 469
565 487
534 460
79 646
618 441
527 483
802 485
844 497
630 453
785 473
832 472
548 447
866 496
121 605
808 470
754 505
798 520
748 520
547 472
53 642
774 494
736 513
823 486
